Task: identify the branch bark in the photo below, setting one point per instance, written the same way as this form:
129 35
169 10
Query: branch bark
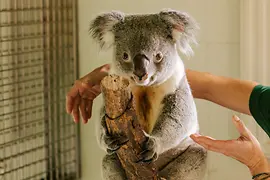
121 117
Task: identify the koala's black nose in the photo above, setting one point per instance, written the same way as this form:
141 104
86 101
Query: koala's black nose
140 66
140 77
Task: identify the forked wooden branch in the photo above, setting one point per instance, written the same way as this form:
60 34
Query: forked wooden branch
121 117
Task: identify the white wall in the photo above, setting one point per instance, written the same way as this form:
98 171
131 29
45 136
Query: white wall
255 55
218 53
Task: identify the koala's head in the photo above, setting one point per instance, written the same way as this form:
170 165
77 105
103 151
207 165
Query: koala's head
145 46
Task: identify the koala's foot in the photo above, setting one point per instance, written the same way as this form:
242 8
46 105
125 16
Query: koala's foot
190 165
112 169
149 152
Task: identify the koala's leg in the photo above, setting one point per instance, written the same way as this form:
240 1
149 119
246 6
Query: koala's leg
112 169
190 165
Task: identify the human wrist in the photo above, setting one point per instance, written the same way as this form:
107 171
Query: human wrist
261 176
261 167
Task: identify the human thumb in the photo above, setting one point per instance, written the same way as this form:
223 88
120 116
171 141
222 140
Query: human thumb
240 126
104 68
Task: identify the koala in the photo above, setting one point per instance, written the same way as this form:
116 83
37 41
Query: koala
146 51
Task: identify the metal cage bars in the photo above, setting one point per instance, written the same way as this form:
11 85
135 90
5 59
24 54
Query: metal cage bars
38 58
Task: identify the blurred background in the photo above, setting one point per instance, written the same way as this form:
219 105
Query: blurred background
38 64
45 46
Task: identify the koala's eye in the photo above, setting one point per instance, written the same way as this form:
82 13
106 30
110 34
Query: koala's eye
125 56
159 57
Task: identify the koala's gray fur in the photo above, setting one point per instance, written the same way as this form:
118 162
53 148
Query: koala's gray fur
146 52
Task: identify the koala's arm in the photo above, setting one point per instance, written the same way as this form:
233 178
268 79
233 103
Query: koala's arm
108 142
101 128
177 120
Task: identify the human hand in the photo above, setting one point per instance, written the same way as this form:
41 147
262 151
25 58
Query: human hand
84 91
245 149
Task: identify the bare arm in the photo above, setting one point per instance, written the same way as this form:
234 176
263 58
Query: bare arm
227 92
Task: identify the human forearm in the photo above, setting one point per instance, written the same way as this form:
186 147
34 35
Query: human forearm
227 92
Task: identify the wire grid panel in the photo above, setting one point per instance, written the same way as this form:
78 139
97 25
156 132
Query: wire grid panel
38 140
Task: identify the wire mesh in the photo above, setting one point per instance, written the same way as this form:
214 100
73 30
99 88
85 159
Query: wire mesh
38 61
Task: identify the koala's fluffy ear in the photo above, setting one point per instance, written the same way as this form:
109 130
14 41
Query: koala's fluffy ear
184 29
101 28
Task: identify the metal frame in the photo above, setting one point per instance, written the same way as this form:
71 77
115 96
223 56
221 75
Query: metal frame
38 64
76 76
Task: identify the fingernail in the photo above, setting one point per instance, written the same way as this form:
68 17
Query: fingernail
236 118
106 67
195 135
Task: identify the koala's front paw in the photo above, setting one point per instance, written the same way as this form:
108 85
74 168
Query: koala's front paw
160 178
114 142
149 152
111 143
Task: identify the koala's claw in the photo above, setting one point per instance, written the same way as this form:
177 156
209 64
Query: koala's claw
148 157
114 142
149 152
161 178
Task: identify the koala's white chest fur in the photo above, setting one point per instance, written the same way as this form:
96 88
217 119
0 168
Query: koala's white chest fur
149 99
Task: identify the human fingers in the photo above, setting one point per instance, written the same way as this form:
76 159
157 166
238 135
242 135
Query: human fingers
69 104
86 104
75 110
89 105
70 97
221 145
90 93
244 132
210 143
83 109
90 109
83 90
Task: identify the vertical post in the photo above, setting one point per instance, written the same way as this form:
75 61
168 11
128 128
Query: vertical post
121 118
76 76
46 42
